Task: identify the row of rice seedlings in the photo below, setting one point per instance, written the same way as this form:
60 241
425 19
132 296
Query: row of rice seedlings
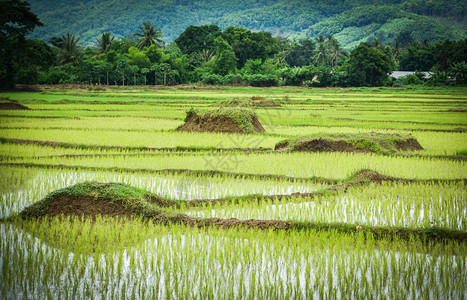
131 259
314 119
414 205
143 139
15 151
382 95
405 116
435 143
155 112
122 123
20 187
296 164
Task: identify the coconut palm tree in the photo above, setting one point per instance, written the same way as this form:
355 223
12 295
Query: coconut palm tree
70 50
321 52
104 43
149 35
334 50
206 55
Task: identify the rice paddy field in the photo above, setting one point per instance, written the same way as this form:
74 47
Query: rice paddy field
309 224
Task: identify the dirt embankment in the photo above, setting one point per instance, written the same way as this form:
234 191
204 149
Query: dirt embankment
223 120
253 102
363 143
12 106
91 199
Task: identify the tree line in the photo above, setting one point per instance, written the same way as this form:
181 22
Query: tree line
206 54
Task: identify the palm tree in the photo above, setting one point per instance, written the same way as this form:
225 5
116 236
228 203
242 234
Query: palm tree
321 52
377 44
334 50
206 55
396 50
70 50
149 35
459 72
104 43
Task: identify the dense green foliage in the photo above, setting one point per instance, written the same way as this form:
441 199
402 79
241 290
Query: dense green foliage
352 21
236 55
16 21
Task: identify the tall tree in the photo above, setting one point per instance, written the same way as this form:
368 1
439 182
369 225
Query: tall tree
104 43
250 45
369 65
70 51
198 38
16 21
225 60
335 50
149 35
301 53
321 52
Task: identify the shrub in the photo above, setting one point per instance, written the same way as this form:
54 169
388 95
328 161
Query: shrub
439 78
410 79
261 80
57 76
233 79
212 79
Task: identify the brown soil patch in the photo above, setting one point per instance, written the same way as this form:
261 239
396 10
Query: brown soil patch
12 106
373 176
161 202
232 222
87 206
258 198
322 145
167 218
367 176
197 123
408 145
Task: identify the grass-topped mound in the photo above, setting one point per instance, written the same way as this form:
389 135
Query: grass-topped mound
94 198
253 102
363 142
229 120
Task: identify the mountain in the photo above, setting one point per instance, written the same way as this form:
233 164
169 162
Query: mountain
350 21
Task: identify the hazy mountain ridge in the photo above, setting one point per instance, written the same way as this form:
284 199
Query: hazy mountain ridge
350 21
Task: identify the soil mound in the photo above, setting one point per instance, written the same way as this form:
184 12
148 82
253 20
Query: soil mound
12 106
369 142
409 144
228 120
367 175
253 102
90 199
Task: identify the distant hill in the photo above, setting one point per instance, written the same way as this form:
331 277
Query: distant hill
351 21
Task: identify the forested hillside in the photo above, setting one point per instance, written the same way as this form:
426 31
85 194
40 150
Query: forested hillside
351 21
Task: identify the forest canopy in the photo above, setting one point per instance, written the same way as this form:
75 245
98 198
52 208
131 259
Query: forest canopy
210 54
351 21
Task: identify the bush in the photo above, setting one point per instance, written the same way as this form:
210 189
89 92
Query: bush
438 79
57 76
260 80
410 79
233 79
212 79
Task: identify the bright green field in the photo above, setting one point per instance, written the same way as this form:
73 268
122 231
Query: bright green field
128 135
